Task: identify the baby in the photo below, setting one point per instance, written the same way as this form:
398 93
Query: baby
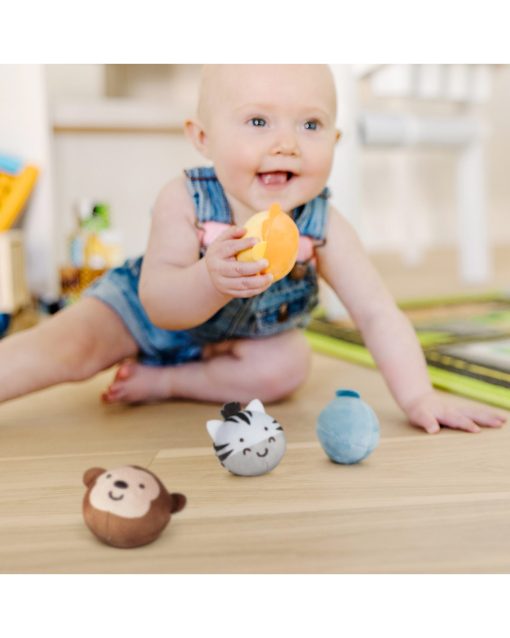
189 320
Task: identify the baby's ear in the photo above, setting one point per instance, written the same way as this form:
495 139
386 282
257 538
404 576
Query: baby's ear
213 427
196 133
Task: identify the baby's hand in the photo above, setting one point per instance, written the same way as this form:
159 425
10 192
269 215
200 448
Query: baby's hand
229 276
432 410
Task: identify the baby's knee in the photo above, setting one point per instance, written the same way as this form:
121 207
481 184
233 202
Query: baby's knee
75 355
282 371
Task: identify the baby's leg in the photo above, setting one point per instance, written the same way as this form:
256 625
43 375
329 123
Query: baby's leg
268 369
72 345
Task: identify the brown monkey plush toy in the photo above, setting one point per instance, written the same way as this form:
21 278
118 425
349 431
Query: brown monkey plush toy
127 506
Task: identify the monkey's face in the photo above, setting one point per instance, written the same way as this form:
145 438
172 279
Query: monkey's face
125 491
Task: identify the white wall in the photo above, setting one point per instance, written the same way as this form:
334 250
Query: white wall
125 170
75 81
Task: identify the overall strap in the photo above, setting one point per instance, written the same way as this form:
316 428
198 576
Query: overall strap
208 196
211 205
311 218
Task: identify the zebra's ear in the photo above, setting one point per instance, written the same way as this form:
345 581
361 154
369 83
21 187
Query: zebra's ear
213 427
255 406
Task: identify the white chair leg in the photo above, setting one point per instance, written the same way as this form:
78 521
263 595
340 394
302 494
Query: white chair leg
474 253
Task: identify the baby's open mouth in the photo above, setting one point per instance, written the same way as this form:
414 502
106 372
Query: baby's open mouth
275 178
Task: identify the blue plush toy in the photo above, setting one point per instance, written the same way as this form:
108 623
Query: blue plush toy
348 428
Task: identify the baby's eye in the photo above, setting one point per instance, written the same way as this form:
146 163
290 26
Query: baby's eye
258 121
311 125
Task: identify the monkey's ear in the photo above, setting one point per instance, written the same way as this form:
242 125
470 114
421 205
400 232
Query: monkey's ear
91 475
177 502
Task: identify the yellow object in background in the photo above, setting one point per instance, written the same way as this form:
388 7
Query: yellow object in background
102 250
279 241
14 192
14 293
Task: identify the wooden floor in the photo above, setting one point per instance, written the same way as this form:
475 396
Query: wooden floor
419 503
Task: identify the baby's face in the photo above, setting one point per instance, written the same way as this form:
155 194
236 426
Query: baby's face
270 132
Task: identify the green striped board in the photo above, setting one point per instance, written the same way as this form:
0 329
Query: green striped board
466 342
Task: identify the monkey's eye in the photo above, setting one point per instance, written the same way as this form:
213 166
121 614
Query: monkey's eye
142 486
108 476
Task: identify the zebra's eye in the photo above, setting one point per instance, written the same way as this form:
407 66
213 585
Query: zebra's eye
241 440
265 428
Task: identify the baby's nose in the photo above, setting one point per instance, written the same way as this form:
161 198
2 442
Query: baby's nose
286 147
121 484
286 144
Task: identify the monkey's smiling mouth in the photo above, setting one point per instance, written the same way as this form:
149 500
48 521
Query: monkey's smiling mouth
265 453
115 498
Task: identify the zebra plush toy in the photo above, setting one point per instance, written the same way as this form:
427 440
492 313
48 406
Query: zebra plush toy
247 442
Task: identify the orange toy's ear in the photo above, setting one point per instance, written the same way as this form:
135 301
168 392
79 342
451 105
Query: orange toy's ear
273 212
282 242
177 502
91 475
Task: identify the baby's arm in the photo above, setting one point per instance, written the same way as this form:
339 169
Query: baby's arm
390 337
177 289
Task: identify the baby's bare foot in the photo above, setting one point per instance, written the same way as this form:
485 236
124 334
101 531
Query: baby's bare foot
135 383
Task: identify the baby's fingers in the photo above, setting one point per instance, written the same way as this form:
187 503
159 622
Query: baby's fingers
427 422
231 241
236 268
486 417
458 421
232 232
249 286
255 282
231 247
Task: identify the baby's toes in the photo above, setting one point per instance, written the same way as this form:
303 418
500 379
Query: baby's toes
111 394
125 370
106 397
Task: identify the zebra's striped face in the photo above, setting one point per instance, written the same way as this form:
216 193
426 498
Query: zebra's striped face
248 442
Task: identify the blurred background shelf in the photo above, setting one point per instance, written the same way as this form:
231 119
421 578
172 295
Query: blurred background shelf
115 115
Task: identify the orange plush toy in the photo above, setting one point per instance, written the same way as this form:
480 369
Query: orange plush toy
279 241
128 506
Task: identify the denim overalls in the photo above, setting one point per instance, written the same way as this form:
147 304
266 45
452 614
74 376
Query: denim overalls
284 305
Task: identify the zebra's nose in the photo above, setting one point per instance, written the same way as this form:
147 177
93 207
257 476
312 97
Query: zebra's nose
121 484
